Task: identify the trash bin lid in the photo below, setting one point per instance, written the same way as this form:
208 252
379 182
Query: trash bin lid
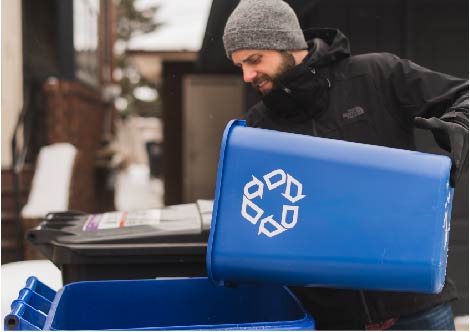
172 223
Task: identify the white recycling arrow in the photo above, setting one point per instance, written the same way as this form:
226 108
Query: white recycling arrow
259 191
278 229
280 182
291 181
259 211
294 214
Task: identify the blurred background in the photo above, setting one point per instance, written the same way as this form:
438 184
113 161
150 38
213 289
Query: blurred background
120 105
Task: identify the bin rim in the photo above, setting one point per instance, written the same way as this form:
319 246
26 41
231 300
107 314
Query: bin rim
228 129
305 320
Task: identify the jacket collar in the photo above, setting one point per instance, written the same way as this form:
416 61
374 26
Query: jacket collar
308 93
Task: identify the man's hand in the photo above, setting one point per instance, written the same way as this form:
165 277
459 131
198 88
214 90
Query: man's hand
451 137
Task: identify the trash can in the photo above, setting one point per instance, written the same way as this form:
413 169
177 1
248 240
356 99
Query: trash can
300 210
177 304
167 242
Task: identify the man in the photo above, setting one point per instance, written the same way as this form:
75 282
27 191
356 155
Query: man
310 84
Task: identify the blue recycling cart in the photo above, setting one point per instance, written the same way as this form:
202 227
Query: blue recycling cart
299 210
167 304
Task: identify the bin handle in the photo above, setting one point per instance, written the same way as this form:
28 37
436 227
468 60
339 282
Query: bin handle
24 317
29 311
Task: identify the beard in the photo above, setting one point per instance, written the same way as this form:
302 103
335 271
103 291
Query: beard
287 63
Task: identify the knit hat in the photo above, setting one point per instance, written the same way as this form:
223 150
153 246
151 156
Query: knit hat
263 24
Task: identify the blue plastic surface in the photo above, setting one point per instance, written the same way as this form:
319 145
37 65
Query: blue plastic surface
30 310
173 304
301 210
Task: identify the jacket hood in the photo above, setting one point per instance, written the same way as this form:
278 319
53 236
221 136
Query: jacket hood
326 46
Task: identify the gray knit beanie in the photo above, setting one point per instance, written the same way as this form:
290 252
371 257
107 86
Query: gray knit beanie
263 24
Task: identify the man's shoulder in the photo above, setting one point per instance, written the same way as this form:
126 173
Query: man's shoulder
368 63
374 61
377 57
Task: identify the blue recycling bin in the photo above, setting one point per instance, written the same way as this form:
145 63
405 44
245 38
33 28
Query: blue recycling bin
167 304
300 210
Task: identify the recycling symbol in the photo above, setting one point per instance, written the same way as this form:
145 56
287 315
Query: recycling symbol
254 213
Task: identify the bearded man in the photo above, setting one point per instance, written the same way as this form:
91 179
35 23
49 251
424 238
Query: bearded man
310 84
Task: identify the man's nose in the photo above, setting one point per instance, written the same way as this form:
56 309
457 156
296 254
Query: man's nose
249 75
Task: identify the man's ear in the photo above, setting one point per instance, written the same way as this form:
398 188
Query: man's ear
299 55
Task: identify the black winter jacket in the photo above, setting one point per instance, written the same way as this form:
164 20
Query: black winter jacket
369 98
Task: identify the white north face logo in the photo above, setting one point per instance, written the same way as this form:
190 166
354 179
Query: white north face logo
253 192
